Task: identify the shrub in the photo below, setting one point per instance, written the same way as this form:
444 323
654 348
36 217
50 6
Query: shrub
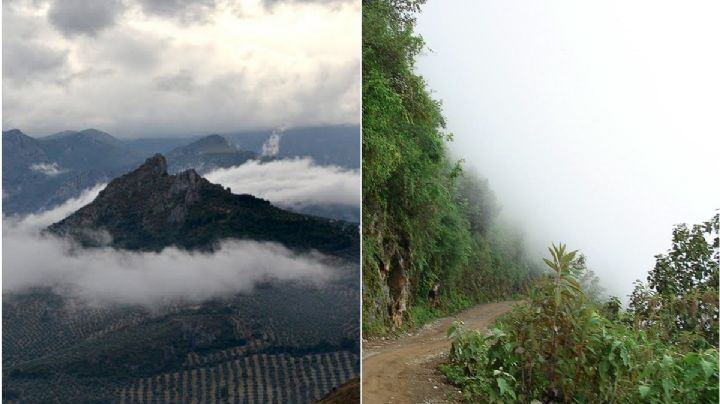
557 347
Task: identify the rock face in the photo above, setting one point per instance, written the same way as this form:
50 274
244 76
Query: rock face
399 290
388 295
207 154
148 209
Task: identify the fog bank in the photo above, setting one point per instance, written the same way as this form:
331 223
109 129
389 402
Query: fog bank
595 123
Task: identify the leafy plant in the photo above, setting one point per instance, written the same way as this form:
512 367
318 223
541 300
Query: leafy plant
428 222
680 299
559 347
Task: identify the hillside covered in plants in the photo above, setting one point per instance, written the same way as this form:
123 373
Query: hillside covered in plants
432 243
563 346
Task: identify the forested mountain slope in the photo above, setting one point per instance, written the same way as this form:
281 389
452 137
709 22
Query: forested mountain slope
431 243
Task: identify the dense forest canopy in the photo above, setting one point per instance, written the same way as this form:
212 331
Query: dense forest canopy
431 241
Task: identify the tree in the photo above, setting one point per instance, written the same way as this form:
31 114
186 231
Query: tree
681 296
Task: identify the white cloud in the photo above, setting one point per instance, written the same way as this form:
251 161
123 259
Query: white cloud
37 221
293 182
49 169
147 71
106 275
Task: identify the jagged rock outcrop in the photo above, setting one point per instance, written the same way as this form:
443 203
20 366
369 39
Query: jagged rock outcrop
148 209
386 284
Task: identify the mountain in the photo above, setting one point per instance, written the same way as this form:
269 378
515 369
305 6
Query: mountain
22 160
291 342
284 343
153 145
207 154
88 149
327 145
39 174
148 209
19 148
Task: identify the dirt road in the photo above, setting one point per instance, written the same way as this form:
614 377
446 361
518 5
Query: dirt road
402 371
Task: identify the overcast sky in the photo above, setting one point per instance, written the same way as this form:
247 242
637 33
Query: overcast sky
166 67
597 123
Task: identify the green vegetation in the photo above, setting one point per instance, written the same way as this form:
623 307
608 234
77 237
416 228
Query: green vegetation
560 346
431 243
282 343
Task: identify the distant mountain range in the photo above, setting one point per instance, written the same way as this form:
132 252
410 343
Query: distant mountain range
148 209
41 173
327 145
207 154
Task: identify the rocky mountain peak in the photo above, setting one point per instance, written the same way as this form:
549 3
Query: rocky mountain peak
213 140
13 133
207 154
208 144
154 166
148 209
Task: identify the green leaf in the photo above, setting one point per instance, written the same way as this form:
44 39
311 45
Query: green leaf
504 387
707 368
644 391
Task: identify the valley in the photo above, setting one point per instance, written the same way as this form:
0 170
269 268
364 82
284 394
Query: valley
278 338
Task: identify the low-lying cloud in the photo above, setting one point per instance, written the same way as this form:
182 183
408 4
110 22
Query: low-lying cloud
292 182
111 276
37 221
50 170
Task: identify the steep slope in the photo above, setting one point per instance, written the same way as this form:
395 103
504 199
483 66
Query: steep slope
207 154
89 149
21 150
22 162
39 174
148 209
431 241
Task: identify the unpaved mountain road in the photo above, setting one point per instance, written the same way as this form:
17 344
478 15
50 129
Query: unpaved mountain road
402 371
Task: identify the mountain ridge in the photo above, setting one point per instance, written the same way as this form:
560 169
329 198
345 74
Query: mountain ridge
206 154
149 209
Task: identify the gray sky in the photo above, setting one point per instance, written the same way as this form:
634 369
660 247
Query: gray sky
162 67
597 123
